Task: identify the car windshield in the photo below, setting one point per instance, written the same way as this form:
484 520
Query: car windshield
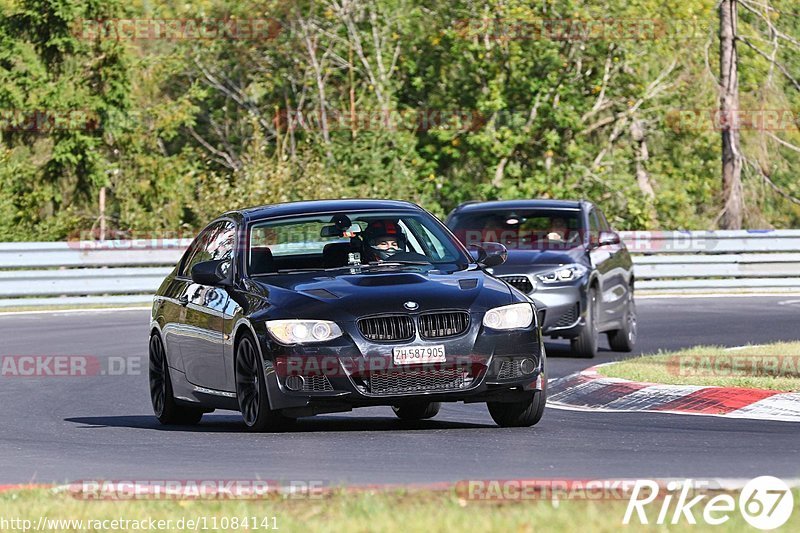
521 230
350 239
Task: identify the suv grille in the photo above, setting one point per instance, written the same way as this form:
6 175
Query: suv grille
519 282
387 328
439 325
421 380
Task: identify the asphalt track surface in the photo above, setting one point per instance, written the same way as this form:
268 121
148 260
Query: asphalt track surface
59 429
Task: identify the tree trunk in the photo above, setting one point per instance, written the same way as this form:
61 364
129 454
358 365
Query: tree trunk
729 106
639 136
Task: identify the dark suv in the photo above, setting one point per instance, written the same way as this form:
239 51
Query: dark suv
567 259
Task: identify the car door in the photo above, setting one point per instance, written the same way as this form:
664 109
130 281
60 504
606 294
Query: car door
616 289
600 258
202 321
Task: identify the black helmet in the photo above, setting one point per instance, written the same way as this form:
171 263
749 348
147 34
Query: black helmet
382 229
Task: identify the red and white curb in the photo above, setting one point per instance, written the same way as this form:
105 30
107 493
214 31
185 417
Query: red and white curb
589 390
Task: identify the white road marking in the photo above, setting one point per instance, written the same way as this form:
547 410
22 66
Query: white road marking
72 311
714 295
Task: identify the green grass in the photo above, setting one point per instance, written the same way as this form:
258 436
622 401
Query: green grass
771 366
367 511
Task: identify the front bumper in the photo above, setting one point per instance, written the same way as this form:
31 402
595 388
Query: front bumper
562 306
481 365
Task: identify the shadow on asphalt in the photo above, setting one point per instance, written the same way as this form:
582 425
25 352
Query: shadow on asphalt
234 424
562 349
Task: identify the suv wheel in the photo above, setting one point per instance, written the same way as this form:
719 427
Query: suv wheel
624 339
585 344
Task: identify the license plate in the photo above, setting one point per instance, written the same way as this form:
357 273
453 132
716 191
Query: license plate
408 355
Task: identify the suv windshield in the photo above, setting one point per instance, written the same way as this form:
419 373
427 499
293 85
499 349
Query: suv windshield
544 229
349 239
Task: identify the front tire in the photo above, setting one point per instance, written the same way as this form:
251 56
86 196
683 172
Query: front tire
624 339
585 344
417 411
522 414
251 390
165 408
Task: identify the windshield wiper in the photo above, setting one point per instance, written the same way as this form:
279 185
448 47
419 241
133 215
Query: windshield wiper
398 263
291 270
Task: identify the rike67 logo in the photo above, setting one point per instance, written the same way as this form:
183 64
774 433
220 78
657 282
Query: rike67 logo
765 503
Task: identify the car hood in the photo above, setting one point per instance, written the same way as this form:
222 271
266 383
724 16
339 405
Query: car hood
536 260
345 296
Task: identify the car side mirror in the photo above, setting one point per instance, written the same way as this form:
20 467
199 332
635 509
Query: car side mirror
212 273
608 237
489 254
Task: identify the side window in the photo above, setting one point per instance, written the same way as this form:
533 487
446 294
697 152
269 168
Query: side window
594 227
214 243
604 225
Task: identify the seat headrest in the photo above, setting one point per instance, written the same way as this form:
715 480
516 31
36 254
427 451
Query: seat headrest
335 254
261 261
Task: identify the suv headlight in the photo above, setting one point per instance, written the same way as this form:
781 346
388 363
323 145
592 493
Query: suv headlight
303 331
509 316
562 273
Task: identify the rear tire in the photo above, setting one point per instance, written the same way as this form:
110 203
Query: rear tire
624 339
251 390
165 408
522 414
585 344
417 411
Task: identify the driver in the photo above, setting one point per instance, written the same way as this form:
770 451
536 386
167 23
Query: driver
558 229
384 239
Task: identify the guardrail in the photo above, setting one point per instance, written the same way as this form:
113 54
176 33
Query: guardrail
85 272
125 272
711 261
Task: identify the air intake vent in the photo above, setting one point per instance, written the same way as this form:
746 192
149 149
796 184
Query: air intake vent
569 317
466 284
422 380
322 293
510 369
318 383
519 282
387 328
443 324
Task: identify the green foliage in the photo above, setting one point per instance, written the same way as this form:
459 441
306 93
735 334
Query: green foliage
435 102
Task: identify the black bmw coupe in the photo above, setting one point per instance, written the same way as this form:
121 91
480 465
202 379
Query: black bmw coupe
297 309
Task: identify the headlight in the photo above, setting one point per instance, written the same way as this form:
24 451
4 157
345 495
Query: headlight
303 331
562 273
509 316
